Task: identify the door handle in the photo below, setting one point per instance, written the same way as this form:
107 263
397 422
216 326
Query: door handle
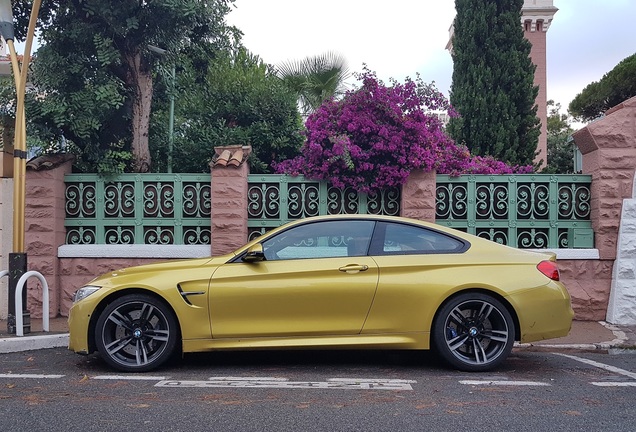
354 268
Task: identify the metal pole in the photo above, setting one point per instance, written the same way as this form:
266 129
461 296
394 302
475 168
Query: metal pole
18 259
171 122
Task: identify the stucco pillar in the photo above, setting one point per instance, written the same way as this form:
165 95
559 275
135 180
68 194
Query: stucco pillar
229 198
44 227
608 146
418 196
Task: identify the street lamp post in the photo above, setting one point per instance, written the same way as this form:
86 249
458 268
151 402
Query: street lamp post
18 258
173 77
171 122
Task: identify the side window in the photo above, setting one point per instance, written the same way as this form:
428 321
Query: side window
325 239
409 239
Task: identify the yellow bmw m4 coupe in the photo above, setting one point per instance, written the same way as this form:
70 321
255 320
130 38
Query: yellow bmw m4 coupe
347 282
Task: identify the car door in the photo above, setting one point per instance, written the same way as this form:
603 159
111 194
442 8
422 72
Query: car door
417 265
315 279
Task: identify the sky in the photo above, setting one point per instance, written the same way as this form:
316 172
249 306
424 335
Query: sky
398 38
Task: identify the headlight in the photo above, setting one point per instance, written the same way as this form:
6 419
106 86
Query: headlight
84 292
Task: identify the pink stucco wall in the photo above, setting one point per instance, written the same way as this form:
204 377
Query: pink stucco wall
76 272
44 231
609 151
588 282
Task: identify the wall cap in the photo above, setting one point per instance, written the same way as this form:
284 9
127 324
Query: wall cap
572 254
133 251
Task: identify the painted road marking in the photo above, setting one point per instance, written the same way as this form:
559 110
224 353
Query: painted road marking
504 383
604 366
614 384
129 377
284 383
34 376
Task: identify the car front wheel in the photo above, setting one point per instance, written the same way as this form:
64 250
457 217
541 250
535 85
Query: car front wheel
473 332
136 333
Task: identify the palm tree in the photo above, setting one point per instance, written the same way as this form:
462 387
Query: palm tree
315 79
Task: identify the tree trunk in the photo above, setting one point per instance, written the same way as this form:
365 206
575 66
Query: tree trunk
140 80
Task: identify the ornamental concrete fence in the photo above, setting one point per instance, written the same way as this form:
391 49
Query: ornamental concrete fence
596 277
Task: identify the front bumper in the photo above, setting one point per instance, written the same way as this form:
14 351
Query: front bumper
79 319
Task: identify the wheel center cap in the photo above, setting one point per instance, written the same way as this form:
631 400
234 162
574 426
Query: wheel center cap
473 331
137 333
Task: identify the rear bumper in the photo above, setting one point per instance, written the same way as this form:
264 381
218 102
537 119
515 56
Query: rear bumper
544 312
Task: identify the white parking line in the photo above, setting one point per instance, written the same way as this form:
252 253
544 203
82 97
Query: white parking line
33 376
609 368
505 383
284 383
614 384
129 377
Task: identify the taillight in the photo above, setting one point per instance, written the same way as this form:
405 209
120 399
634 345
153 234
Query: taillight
550 269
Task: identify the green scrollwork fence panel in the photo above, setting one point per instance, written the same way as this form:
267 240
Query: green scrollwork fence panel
138 209
276 199
523 211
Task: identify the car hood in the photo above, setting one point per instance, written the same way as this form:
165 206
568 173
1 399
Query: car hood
168 267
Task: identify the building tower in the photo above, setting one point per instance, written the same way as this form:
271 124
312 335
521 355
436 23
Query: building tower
536 17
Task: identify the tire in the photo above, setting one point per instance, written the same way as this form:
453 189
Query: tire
136 333
473 332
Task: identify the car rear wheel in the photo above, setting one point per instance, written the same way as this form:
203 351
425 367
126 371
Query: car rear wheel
473 332
136 333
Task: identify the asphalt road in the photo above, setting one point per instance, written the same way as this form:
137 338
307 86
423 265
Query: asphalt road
56 390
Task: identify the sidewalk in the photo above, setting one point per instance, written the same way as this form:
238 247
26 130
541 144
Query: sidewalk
57 336
585 335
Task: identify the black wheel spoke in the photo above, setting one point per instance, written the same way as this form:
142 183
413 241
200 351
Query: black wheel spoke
457 342
485 312
141 354
480 354
458 318
115 346
158 335
496 335
146 312
120 320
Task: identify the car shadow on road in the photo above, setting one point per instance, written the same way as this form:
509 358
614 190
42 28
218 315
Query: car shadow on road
232 362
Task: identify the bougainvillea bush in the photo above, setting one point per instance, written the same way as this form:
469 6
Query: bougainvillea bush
376 135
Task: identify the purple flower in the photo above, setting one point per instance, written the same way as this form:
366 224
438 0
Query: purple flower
376 135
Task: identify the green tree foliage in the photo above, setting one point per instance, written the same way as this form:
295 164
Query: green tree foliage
560 143
95 67
315 79
492 88
616 86
232 100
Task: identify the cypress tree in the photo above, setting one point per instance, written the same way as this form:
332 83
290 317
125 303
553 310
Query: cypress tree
493 82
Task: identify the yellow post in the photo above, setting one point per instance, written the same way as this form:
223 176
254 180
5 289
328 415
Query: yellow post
18 259
19 148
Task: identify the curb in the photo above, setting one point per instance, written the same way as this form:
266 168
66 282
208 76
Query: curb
28 343
620 341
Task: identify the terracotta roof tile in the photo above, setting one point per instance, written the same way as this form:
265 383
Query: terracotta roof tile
233 156
48 161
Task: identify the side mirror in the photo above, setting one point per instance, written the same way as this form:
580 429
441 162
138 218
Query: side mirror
254 253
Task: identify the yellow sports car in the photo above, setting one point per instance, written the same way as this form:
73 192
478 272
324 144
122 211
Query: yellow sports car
354 282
